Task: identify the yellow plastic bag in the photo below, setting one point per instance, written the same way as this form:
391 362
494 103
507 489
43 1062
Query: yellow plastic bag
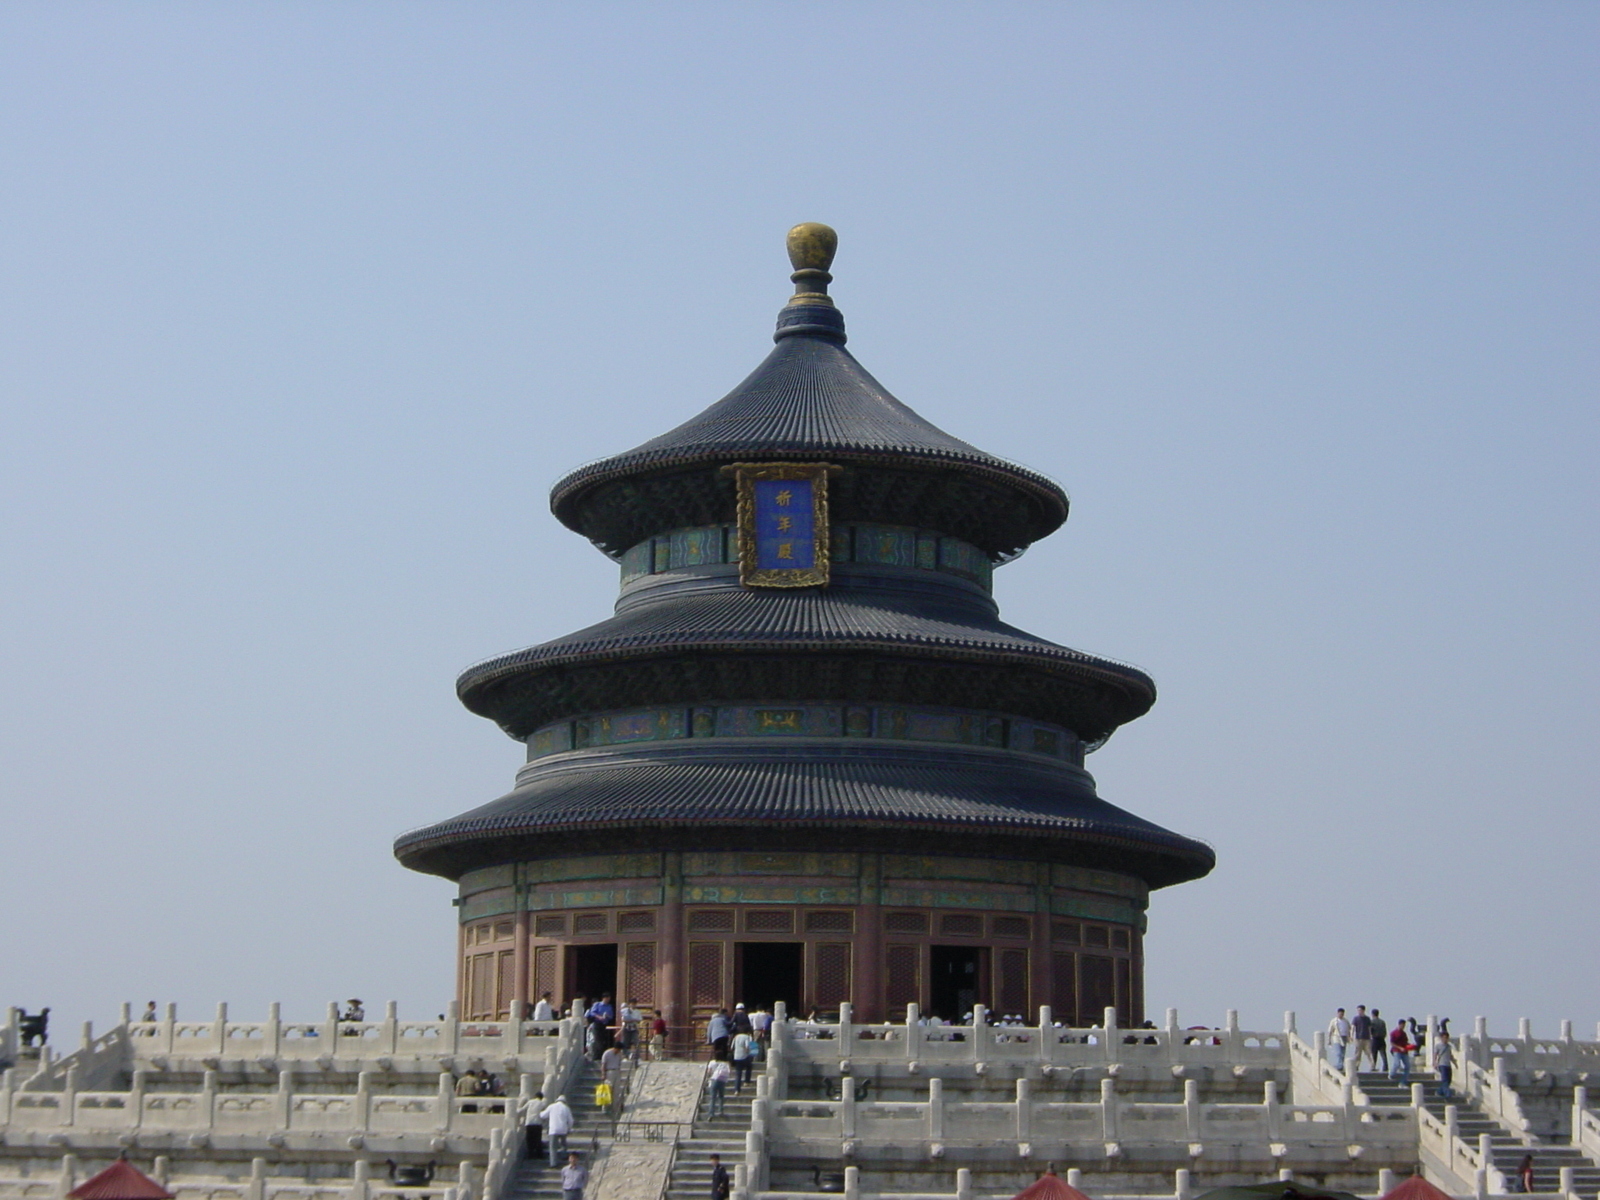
602 1094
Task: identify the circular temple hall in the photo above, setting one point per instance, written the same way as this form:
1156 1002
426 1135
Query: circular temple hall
804 759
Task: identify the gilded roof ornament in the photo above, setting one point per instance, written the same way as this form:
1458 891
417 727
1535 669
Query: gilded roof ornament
811 250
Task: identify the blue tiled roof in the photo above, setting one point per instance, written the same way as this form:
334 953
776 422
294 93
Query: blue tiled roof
816 784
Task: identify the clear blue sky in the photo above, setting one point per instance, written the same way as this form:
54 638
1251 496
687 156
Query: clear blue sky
307 305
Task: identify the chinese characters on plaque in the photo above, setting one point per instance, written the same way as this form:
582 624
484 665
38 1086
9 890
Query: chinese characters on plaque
783 524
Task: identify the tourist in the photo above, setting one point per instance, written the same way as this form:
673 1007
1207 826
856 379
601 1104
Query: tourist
658 1038
467 1085
533 1124
150 1013
573 1178
557 1124
761 1022
544 1010
743 1049
717 1076
717 1033
1338 1039
741 1020
1360 1038
1444 1062
611 1066
720 1187
1400 1048
355 1012
600 1015
630 1029
1525 1174
1380 1043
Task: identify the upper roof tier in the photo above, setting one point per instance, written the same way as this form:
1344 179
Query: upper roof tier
812 401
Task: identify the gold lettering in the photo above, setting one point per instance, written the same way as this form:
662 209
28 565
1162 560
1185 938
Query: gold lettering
785 524
786 550
784 497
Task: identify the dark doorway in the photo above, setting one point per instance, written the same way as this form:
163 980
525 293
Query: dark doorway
956 975
591 971
769 972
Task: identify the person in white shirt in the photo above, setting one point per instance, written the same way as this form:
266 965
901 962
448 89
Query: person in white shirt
544 1010
717 1073
742 1049
557 1124
533 1122
1338 1039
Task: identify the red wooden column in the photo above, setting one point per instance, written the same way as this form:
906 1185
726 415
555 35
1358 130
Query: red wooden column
866 983
1040 964
522 992
671 970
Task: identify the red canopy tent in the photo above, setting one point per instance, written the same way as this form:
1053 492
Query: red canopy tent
1050 1186
1417 1188
120 1181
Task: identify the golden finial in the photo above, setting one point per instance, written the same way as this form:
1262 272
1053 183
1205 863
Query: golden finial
811 249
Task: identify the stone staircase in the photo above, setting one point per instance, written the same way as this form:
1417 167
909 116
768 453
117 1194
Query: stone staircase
535 1180
1471 1124
722 1134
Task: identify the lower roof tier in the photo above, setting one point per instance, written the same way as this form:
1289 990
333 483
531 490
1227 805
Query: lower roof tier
806 794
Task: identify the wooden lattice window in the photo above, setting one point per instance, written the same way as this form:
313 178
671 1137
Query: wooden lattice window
901 982
1014 982
480 986
906 922
705 973
769 921
1064 987
553 925
544 970
1120 939
589 923
1097 987
507 977
1124 999
641 973
711 920
502 931
1012 927
1068 933
830 922
832 974
961 925
636 922
1096 935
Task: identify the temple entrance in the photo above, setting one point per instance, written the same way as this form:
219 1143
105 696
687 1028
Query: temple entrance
592 971
766 972
955 978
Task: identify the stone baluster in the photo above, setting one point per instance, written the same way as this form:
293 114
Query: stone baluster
284 1100
1113 1044
1480 1184
1191 1109
963 1183
852 1183
389 1039
126 1014
1048 1043
69 1173
1108 1110
1580 1105
1431 1026
1182 1188
1417 1095
161 1169
1479 1051
935 1110
1386 1181
1288 1022
272 1033
1174 1036
1568 1185
755 1160
361 1180
136 1090
847 1106
256 1189
1347 1103
208 1100
1269 1098
363 1114
1525 1033
511 1031
450 1031
913 1032
1024 1110
219 1029
1230 1025
1566 1031
444 1106
1319 1051
846 1028
69 1096
1485 1151
86 1038
167 1032
8 1089
330 1029
741 1182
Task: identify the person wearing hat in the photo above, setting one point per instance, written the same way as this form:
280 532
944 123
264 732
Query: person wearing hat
741 1020
557 1124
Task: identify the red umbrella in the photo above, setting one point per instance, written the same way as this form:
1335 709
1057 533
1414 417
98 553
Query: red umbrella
1417 1188
120 1181
1050 1186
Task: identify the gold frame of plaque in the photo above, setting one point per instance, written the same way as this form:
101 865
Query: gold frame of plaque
761 547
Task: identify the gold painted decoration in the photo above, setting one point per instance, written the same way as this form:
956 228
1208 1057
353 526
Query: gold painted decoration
783 524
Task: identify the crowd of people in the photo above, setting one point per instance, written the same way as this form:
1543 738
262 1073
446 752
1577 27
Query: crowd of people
1368 1037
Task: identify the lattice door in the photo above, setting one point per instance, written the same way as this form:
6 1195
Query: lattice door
831 986
1013 983
902 978
641 985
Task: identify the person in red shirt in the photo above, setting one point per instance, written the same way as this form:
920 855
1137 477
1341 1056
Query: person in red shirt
1400 1049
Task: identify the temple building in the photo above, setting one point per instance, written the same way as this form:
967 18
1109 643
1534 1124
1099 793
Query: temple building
805 760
